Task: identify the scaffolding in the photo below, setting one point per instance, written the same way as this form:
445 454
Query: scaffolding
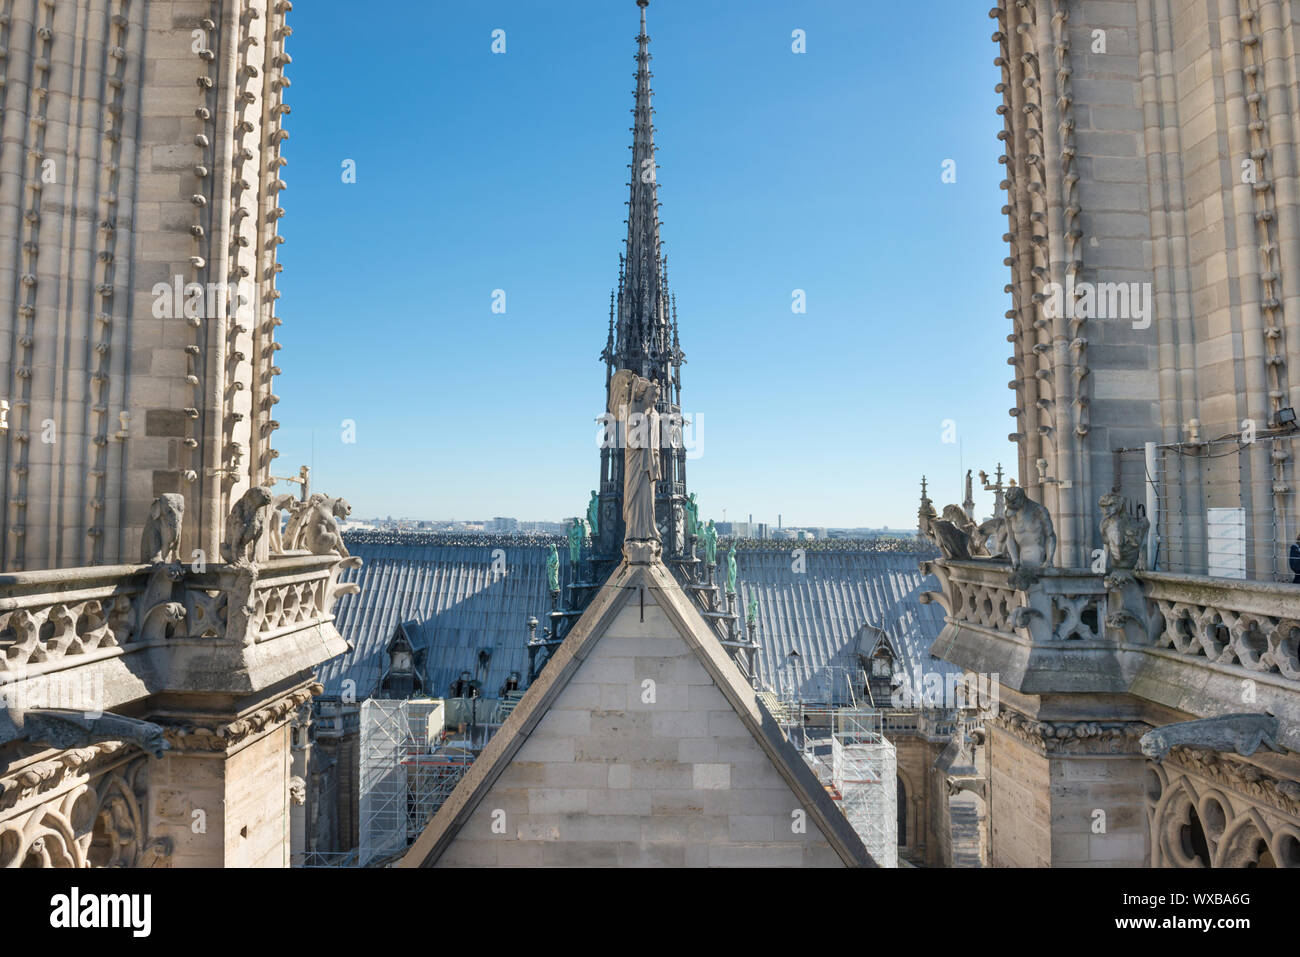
831 686
408 768
854 761
864 780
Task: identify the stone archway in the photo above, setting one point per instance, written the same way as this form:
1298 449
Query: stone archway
1197 823
1247 843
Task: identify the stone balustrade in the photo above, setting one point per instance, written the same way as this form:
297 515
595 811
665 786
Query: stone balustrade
938 722
1062 605
900 722
60 618
133 630
1251 625
1202 646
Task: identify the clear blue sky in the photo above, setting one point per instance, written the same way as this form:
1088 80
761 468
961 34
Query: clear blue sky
778 171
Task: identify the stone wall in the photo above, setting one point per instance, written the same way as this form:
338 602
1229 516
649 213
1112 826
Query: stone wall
339 760
609 778
1154 144
188 794
1098 818
225 809
1020 825
916 757
140 153
257 803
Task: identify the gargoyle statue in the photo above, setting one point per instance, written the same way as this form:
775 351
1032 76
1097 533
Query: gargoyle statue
320 530
993 532
279 504
57 728
1031 539
1243 733
1122 533
951 533
246 525
160 541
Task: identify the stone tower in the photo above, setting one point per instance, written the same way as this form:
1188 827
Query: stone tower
1154 231
140 163
643 337
1150 154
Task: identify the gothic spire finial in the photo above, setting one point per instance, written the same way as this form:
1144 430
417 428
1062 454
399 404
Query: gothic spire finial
642 316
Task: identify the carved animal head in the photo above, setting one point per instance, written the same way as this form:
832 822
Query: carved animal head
1015 498
1111 504
1155 745
955 514
341 508
169 508
154 742
256 497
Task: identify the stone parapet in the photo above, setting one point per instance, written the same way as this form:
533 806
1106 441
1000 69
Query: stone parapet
126 632
1050 636
1181 641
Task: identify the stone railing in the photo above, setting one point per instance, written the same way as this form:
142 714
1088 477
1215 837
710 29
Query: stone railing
1062 605
938 723
1254 625
1054 634
60 620
1185 642
285 595
900 722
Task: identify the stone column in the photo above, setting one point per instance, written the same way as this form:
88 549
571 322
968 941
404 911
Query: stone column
222 793
1066 793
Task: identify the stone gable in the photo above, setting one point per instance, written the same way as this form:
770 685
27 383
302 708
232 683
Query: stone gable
642 757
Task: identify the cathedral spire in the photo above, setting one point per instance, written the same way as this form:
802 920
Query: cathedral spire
925 514
643 316
644 339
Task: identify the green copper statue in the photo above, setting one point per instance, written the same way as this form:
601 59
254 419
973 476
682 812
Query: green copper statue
692 516
752 617
593 513
731 571
710 543
575 542
553 569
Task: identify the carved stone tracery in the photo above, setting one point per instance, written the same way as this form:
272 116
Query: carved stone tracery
1206 809
99 821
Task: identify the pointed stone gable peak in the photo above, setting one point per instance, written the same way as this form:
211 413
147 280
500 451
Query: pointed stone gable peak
641 744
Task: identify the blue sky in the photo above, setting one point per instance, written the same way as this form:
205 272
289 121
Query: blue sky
778 171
